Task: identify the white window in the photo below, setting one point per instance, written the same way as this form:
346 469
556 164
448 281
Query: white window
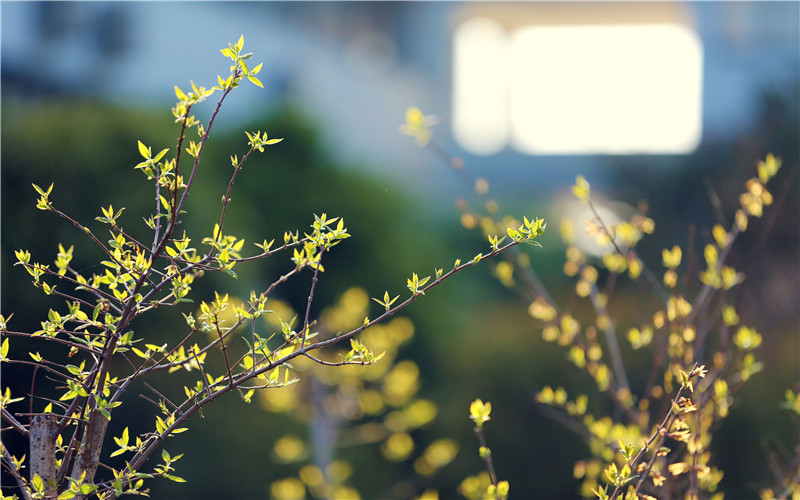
545 86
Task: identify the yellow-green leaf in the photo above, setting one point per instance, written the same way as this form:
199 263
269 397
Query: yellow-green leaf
144 150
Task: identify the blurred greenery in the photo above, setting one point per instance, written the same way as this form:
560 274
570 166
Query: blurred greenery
473 337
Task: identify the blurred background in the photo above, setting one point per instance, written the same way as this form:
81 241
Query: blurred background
670 102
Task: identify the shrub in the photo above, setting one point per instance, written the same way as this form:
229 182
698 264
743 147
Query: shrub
94 360
654 442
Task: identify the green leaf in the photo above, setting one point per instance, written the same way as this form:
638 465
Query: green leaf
255 81
123 440
38 483
144 150
160 155
4 349
581 189
87 488
160 425
179 94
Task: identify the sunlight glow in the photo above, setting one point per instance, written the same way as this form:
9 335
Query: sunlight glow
480 75
578 89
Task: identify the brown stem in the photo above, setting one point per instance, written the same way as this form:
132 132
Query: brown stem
311 296
223 347
91 445
487 456
8 417
9 464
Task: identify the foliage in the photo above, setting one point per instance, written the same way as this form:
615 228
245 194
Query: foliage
376 403
648 437
484 485
95 359
647 444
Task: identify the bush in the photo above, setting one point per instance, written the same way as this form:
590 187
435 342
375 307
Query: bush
93 359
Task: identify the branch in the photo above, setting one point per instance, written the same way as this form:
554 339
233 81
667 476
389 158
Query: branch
8 417
8 461
704 292
57 340
227 198
660 433
457 165
223 347
142 455
314 281
177 209
487 457
611 340
337 363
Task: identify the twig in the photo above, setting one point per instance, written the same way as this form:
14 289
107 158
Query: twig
769 225
611 340
8 417
223 347
311 295
227 198
142 455
8 462
660 433
160 395
335 363
487 457
457 165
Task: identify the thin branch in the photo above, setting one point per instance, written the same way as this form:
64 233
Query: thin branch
177 209
57 340
314 281
611 339
8 462
210 345
336 363
788 188
84 230
285 246
138 460
223 347
457 165
487 457
160 395
660 433
121 389
705 292
227 198
40 364
8 417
